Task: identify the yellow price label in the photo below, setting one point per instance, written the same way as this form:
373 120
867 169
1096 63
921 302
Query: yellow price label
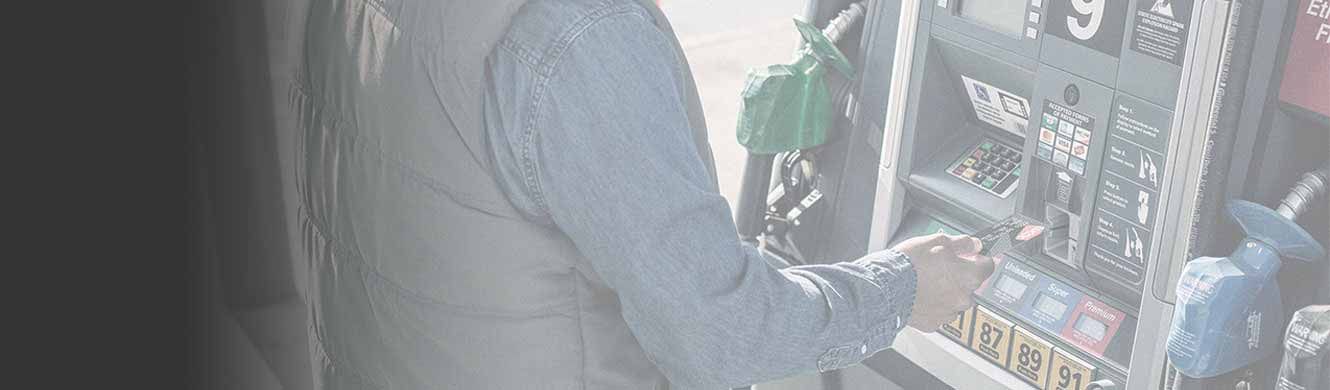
1030 357
1068 372
959 328
992 336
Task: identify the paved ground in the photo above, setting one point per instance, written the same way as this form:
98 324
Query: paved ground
723 39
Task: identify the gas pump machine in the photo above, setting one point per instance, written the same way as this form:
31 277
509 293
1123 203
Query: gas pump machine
1154 139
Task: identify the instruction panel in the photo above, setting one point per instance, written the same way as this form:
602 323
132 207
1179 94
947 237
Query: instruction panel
1125 206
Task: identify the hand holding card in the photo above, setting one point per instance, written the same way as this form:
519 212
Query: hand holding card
1010 233
948 270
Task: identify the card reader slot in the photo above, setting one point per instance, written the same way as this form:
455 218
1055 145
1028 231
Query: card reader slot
1059 243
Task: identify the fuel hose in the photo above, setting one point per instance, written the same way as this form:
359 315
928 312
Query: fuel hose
1304 193
1235 64
1222 133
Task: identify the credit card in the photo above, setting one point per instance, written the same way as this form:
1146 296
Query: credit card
1008 234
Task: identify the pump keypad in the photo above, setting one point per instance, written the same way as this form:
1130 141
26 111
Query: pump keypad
991 166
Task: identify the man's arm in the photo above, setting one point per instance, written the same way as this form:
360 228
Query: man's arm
611 161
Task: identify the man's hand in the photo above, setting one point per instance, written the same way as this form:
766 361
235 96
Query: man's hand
949 270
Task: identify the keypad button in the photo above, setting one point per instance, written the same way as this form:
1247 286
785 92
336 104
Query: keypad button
1006 182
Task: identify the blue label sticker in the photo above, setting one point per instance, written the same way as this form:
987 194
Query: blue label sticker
1012 285
1050 305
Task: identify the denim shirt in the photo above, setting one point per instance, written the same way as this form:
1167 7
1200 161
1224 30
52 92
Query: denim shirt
588 133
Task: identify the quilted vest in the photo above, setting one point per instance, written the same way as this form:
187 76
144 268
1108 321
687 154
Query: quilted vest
422 274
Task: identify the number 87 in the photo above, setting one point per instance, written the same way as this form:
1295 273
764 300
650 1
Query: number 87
1092 8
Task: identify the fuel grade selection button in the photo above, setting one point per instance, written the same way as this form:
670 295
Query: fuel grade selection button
992 336
959 328
1068 373
1030 357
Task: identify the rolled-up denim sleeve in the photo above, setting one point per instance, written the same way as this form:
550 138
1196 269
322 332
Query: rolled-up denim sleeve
609 157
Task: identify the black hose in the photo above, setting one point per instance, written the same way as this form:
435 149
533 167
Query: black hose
1223 129
843 21
750 218
1312 186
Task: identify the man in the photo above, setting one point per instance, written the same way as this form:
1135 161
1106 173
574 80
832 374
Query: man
503 195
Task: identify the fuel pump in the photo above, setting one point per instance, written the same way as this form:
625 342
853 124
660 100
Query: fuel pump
1229 311
1134 123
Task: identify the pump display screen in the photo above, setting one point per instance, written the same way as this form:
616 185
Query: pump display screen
1051 307
1091 327
1004 16
1011 286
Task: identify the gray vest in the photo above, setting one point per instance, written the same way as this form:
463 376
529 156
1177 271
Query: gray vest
422 275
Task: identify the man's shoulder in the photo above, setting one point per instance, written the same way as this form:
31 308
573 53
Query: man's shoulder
543 28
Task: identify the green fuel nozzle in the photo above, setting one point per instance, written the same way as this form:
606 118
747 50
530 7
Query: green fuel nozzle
788 107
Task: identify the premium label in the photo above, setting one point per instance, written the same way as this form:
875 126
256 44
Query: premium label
1093 325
